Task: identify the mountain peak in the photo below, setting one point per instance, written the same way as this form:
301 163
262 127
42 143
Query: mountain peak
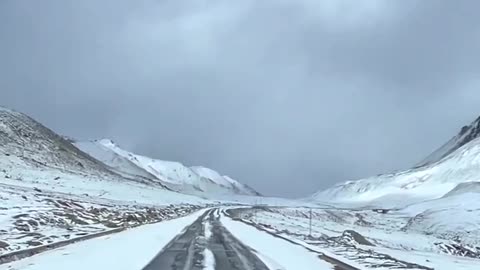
467 134
172 174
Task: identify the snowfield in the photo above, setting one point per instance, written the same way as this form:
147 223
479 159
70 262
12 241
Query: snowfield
361 237
455 218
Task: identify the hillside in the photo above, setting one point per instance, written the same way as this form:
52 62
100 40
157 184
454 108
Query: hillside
225 181
173 175
115 161
51 191
434 179
24 138
31 155
466 135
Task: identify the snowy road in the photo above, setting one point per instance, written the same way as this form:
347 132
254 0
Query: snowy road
207 239
206 236
216 242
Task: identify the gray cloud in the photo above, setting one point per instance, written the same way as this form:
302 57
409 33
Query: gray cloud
287 96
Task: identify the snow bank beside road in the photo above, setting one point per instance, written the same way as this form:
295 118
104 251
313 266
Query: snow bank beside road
132 249
283 253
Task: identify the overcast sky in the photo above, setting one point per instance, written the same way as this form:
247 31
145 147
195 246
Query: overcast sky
288 96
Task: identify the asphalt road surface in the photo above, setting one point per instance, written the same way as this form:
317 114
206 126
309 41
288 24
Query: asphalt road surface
187 250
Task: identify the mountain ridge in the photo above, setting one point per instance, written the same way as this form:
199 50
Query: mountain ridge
446 170
28 149
172 174
466 134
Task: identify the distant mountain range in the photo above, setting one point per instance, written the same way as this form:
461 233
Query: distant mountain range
173 175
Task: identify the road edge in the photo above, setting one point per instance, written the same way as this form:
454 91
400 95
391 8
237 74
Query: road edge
26 253
323 256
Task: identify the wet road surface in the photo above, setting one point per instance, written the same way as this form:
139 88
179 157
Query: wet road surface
186 251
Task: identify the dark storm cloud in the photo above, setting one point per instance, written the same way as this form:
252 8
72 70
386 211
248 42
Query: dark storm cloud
287 96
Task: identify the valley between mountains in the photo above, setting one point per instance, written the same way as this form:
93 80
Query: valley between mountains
69 204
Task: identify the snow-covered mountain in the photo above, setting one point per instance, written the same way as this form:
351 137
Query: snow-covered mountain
466 135
31 155
447 170
172 174
110 158
225 181
437 199
50 191
24 138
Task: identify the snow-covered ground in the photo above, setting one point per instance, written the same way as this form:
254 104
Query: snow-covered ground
454 217
129 250
276 253
16 173
374 239
362 239
42 205
146 242
35 217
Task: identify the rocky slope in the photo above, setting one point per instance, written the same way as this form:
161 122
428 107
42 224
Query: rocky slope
33 143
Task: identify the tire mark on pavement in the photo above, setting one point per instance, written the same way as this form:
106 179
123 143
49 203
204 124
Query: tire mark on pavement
187 250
